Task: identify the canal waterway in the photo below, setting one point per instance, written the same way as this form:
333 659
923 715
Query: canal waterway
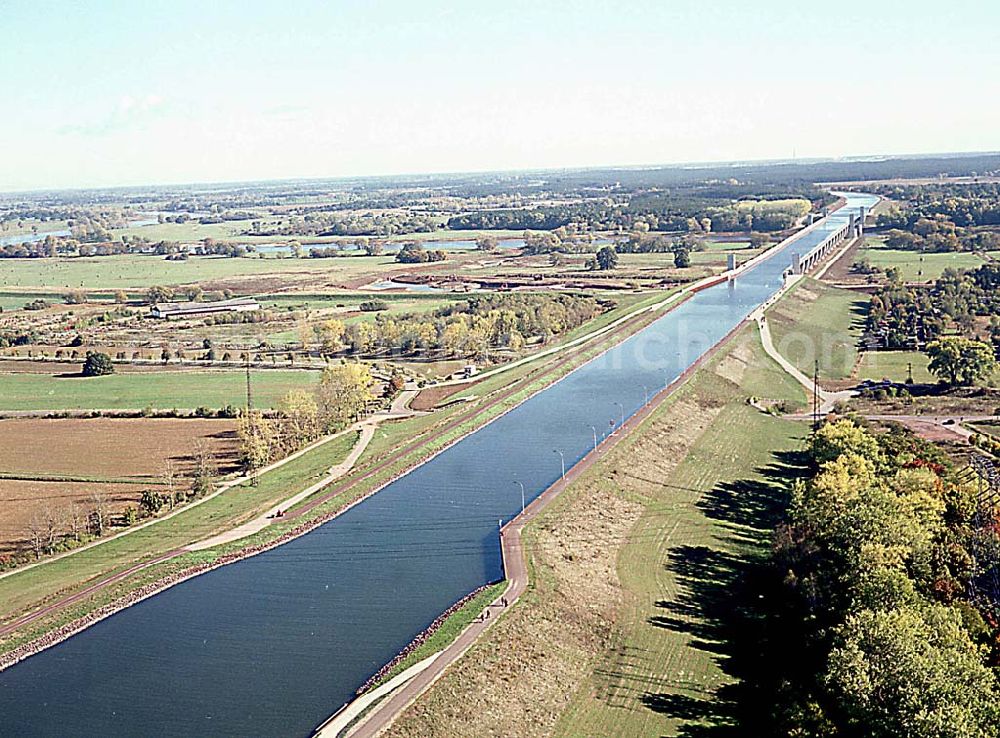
273 644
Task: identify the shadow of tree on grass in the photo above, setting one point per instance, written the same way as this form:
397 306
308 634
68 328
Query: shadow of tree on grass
729 603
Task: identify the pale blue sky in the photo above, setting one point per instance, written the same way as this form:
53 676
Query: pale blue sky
106 93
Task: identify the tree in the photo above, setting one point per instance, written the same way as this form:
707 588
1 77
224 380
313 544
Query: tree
342 394
157 294
97 364
301 416
835 439
98 512
169 479
42 529
204 469
682 258
121 297
75 297
152 502
961 360
257 439
913 672
331 334
607 258
486 243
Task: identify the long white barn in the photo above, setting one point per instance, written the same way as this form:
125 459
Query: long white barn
173 310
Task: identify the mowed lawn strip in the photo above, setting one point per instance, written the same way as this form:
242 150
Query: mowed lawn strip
36 586
815 321
577 654
158 390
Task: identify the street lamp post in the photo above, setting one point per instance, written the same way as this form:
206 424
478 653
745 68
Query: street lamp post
562 460
521 485
645 393
622 408
595 437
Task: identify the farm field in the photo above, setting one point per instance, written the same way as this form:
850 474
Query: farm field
158 390
106 448
913 266
815 321
22 590
117 457
990 429
139 272
608 634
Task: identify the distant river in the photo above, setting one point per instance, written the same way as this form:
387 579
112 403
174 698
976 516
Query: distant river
272 645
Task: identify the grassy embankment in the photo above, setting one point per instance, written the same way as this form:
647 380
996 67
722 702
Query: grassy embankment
621 631
36 587
815 321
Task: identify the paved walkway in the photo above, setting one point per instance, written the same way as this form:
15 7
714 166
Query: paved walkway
827 399
366 432
365 429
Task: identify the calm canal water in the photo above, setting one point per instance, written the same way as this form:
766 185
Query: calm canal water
272 645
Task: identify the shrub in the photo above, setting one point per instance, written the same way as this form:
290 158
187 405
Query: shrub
97 364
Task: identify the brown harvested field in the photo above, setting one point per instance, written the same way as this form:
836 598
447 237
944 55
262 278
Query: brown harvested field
430 398
22 500
35 453
111 448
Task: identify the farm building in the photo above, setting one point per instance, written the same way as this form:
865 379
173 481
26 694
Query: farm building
173 310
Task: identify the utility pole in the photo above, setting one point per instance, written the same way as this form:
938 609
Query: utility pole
909 372
595 437
816 397
251 426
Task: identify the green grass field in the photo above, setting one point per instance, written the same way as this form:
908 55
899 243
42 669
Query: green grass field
892 365
682 563
159 390
913 266
817 322
138 272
